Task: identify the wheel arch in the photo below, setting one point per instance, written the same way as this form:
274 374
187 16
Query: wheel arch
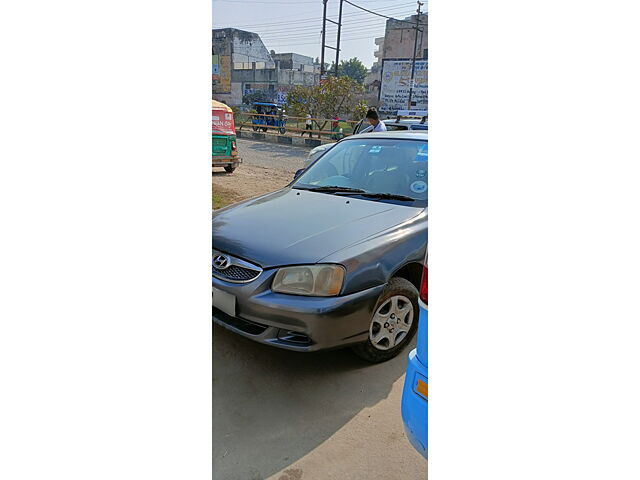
412 272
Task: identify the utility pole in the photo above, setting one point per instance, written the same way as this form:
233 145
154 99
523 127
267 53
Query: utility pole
415 48
324 30
324 37
339 28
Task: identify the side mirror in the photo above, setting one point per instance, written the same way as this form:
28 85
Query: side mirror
298 173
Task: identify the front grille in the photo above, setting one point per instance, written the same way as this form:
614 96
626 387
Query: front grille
234 270
236 273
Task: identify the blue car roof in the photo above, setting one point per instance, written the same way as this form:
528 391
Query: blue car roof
266 104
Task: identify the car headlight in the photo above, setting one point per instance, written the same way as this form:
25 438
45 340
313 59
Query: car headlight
312 280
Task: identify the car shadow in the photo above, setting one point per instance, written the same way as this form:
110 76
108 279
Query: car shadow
272 407
279 150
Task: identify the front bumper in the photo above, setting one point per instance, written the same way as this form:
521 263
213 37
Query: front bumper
415 407
296 322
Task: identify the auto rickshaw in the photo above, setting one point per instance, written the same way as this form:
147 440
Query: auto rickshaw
278 118
224 149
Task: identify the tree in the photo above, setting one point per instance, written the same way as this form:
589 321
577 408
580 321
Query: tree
335 97
352 68
251 98
360 110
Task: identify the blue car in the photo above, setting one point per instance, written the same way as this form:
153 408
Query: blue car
415 403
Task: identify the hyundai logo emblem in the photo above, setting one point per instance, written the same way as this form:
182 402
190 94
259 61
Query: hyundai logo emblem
221 262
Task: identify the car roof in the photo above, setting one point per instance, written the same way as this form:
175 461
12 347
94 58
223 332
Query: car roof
398 134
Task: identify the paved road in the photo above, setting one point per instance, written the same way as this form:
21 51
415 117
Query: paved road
272 155
281 415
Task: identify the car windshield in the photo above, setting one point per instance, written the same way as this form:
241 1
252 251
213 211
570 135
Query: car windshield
392 170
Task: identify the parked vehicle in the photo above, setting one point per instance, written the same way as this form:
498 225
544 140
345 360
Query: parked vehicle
415 397
401 122
224 150
278 119
335 258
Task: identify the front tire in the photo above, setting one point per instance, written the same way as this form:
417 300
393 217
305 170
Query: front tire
394 322
229 169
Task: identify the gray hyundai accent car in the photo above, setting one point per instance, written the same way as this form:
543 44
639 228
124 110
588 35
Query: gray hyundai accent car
335 258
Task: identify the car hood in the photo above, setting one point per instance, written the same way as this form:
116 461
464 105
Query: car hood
290 227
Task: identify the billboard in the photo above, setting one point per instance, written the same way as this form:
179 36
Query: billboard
224 75
215 68
396 81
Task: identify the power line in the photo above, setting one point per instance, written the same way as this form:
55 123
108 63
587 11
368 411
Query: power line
308 20
244 2
351 22
302 32
318 42
371 30
306 33
363 23
374 13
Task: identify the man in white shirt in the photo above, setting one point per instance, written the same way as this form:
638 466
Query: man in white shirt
374 120
308 126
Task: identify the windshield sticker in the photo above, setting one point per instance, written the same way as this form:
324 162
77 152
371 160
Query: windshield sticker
422 154
376 149
419 187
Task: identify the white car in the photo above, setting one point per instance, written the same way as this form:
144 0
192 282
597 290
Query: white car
316 152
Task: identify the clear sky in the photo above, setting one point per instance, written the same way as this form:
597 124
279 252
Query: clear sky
296 25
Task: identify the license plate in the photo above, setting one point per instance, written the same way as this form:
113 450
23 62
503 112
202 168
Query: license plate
224 301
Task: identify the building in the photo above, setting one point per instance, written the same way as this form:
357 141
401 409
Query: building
245 66
400 36
397 44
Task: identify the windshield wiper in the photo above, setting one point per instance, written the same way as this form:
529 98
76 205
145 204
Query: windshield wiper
383 196
335 189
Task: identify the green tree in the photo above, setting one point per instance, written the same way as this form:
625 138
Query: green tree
258 96
335 97
360 110
352 68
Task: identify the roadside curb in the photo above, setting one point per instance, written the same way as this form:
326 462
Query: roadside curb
283 139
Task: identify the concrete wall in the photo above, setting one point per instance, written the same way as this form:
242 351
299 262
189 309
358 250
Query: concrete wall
232 98
400 37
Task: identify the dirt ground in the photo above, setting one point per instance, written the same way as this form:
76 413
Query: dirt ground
265 168
248 181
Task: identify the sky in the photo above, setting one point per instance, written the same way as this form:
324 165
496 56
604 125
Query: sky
296 25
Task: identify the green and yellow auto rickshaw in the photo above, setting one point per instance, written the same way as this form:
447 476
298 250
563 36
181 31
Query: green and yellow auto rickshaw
224 152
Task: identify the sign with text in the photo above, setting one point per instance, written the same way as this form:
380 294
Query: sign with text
222 122
395 85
